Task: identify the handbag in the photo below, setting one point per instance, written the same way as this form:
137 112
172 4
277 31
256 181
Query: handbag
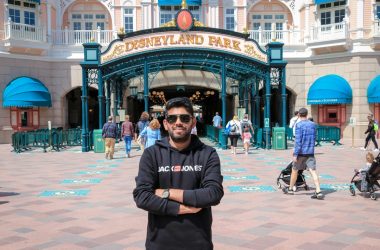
227 130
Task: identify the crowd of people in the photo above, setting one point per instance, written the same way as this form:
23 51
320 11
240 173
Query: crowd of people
179 177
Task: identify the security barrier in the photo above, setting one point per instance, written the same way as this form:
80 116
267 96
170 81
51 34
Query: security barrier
55 138
328 134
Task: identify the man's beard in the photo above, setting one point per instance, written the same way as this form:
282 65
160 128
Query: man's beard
181 138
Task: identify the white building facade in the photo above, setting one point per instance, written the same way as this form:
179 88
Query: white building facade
326 43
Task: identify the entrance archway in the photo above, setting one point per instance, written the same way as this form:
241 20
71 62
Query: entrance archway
229 55
74 108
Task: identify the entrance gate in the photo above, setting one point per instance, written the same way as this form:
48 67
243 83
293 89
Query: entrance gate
185 45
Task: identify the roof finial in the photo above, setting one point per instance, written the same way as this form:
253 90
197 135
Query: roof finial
184 4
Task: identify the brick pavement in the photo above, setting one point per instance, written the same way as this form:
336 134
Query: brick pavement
74 200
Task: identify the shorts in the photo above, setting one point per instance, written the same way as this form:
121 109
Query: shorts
247 141
305 162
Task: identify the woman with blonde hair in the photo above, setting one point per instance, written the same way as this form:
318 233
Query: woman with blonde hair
235 132
151 133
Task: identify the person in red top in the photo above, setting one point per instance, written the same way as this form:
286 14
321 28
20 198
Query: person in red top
127 133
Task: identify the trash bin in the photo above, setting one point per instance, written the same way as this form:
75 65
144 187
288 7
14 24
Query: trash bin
279 138
99 145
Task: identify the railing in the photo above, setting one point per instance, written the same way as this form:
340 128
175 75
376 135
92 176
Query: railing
24 32
376 27
328 134
329 32
44 138
289 37
78 37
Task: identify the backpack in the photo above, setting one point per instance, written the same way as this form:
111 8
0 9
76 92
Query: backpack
233 128
375 126
244 124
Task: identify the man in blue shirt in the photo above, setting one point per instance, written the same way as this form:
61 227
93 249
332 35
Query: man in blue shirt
217 120
303 154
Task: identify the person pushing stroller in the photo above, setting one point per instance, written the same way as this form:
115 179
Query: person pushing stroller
303 154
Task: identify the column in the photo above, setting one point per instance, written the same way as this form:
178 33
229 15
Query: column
267 111
146 86
257 101
246 95
283 97
101 98
224 107
307 24
251 97
84 97
213 18
108 99
48 14
359 18
146 14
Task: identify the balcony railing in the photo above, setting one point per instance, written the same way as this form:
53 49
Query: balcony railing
24 32
329 32
376 27
78 37
289 37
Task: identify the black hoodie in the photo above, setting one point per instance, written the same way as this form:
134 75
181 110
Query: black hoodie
196 170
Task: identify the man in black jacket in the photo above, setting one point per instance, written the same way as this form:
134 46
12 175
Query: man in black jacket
179 180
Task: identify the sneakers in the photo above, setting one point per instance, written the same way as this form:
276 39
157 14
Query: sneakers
362 148
318 196
376 150
286 190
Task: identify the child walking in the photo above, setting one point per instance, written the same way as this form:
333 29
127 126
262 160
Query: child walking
246 139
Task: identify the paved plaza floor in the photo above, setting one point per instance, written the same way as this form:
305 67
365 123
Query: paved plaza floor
74 200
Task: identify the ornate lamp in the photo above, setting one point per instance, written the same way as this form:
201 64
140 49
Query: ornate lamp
140 95
133 90
235 89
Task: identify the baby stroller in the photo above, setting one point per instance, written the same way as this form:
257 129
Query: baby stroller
284 178
371 178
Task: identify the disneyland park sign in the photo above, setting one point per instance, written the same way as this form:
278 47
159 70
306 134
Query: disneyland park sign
178 39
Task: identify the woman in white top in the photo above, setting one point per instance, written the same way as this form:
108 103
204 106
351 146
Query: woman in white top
235 132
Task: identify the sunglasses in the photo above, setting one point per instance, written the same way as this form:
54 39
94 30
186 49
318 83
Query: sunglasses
185 118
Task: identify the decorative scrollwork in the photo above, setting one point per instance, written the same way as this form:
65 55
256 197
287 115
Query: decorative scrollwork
275 77
92 76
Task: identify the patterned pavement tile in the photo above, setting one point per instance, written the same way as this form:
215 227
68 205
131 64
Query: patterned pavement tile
107 217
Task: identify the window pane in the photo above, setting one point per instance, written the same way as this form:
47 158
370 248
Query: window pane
165 18
29 18
230 11
279 26
256 26
230 23
267 26
88 16
128 24
24 118
128 11
88 26
279 16
100 16
256 17
14 15
77 26
378 12
101 25
268 16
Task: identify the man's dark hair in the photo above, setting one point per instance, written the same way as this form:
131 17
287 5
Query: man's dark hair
296 112
302 112
179 102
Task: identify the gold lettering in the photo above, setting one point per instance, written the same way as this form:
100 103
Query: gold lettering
227 43
172 42
128 46
219 42
165 39
236 45
182 39
199 39
141 43
211 40
135 44
157 41
190 39
148 42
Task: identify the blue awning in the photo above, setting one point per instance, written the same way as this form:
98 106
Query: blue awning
34 1
330 89
178 2
324 1
26 92
373 90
